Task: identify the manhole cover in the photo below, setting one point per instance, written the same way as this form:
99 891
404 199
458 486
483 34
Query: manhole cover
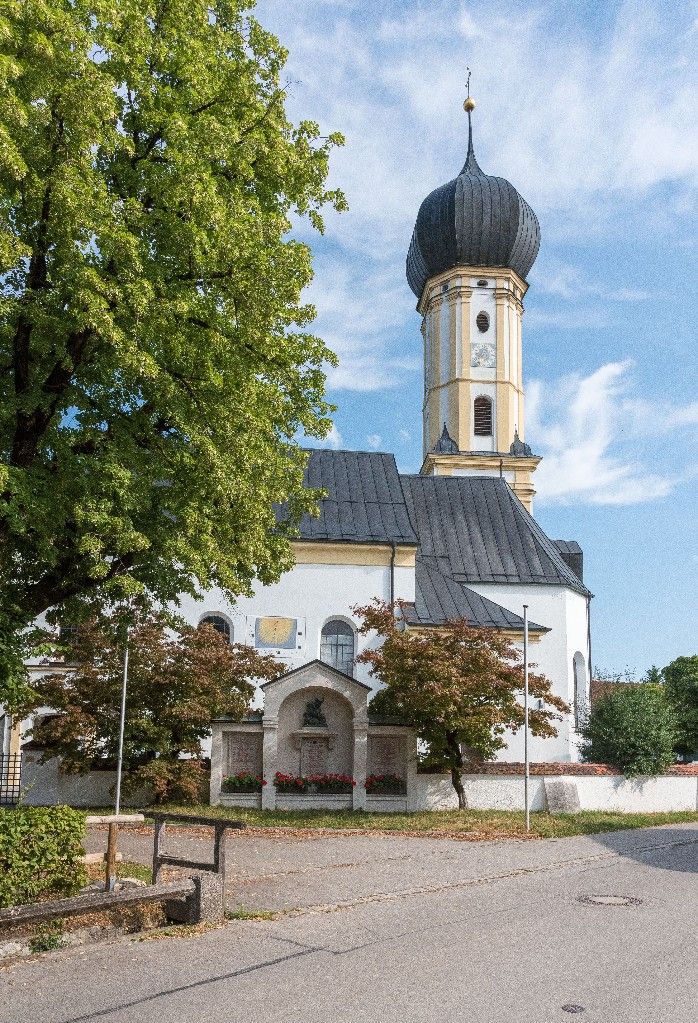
573 1008
609 900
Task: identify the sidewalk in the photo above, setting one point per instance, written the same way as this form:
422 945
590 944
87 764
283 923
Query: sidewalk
319 870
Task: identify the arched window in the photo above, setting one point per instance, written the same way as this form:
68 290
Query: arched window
337 645
219 623
483 416
580 690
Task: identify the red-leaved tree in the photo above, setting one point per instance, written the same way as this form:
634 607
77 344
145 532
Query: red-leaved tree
459 687
178 681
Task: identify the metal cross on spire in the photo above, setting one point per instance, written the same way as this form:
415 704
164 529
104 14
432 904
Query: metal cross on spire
469 104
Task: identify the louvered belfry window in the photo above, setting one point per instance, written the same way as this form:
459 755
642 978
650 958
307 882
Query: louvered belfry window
483 417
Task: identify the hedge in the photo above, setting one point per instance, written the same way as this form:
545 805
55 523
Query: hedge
40 848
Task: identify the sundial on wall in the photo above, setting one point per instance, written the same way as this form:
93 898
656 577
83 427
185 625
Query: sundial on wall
275 633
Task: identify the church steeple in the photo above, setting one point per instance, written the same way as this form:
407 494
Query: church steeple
474 242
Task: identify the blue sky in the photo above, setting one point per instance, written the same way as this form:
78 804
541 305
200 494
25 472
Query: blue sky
589 109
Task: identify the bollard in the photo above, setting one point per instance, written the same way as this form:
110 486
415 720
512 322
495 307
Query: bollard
110 880
204 905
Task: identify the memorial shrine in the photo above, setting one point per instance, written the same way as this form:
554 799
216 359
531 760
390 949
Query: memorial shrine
316 744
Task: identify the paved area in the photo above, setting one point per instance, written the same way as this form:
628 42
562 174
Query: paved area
406 930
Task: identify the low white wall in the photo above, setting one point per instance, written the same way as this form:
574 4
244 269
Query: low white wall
506 792
643 795
288 801
46 785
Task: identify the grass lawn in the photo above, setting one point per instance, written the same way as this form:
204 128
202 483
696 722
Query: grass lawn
468 824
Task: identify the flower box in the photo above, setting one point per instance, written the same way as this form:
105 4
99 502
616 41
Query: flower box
385 785
314 784
243 782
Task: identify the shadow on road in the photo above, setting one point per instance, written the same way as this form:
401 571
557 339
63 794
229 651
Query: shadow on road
674 848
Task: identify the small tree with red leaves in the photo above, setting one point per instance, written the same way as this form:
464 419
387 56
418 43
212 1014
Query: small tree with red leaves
179 679
459 687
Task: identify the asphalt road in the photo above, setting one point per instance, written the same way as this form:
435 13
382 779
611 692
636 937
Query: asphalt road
422 930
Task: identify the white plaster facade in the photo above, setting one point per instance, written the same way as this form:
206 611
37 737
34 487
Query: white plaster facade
565 613
314 594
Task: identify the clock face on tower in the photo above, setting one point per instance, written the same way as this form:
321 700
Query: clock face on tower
275 633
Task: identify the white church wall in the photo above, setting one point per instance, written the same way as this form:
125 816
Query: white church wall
313 594
563 611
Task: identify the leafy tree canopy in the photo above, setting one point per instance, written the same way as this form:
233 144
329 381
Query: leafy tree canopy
459 687
632 727
155 365
681 684
178 681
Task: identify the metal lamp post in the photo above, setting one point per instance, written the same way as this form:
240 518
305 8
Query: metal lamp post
122 723
526 765
114 826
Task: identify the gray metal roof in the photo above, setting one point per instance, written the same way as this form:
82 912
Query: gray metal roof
439 599
468 529
364 503
572 555
475 529
475 220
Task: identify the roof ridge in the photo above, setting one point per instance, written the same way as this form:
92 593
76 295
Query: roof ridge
547 544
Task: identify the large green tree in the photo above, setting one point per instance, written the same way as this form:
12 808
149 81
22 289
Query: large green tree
155 365
459 687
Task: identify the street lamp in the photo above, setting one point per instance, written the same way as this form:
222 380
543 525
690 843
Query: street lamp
526 765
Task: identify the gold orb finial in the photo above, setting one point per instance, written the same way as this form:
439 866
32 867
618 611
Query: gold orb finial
469 104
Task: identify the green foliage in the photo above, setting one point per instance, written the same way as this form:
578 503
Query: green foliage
178 681
47 937
181 781
459 687
681 685
39 850
633 728
155 362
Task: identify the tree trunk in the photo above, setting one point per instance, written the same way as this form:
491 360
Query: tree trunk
456 765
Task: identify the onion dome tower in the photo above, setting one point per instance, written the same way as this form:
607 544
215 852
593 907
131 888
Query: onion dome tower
473 244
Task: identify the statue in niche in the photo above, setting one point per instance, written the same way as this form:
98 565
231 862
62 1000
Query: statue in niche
313 716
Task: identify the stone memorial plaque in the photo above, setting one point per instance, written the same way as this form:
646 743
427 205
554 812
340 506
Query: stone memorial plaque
314 756
386 755
562 795
244 753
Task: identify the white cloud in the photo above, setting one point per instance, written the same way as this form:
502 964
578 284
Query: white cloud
587 117
332 440
404 435
374 441
604 115
588 431
568 282
358 310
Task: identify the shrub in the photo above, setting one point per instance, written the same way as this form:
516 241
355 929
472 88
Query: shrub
633 728
681 686
39 851
171 781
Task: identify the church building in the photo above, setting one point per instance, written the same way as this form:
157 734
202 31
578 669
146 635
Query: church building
458 539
